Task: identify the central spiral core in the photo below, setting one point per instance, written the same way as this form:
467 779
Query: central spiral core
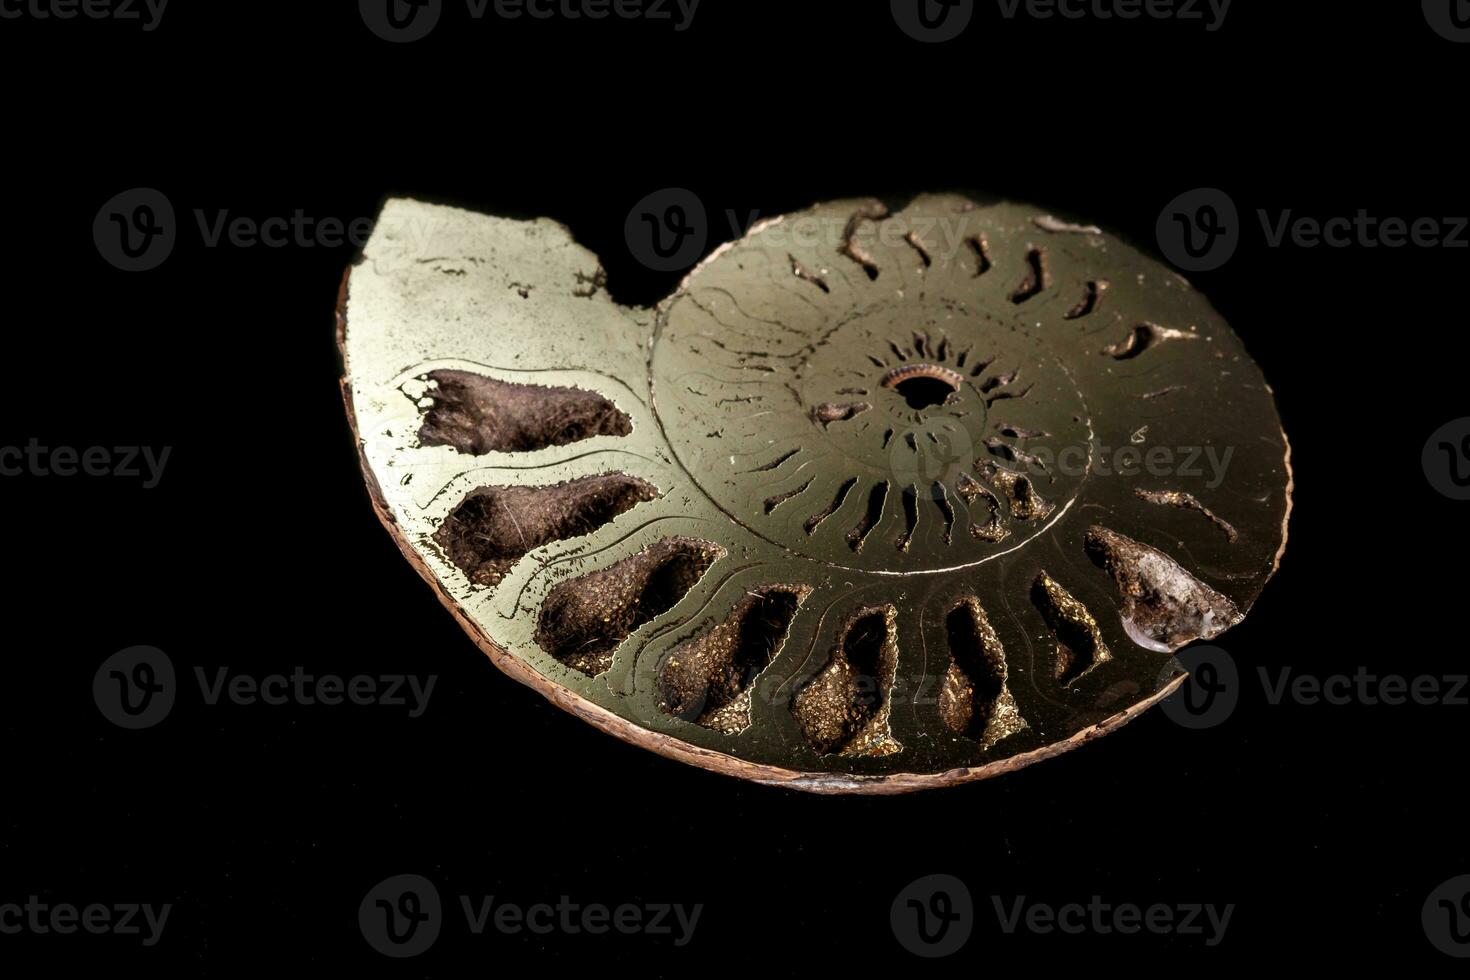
912 437
923 385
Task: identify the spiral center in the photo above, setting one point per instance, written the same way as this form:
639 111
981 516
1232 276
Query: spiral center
923 385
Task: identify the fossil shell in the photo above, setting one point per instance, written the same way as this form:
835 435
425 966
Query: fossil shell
873 502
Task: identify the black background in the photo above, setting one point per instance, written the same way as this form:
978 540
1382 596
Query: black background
1327 827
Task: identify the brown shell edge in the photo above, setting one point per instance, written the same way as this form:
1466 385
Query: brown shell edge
677 749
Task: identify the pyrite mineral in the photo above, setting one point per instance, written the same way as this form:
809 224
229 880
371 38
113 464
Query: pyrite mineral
873 502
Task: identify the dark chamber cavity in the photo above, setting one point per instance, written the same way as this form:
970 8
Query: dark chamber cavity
707 679
478 415
584 619
493 527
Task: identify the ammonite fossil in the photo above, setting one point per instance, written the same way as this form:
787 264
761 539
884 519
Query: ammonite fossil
874 501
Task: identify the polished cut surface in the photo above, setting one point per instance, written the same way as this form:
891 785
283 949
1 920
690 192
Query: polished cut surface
876 500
